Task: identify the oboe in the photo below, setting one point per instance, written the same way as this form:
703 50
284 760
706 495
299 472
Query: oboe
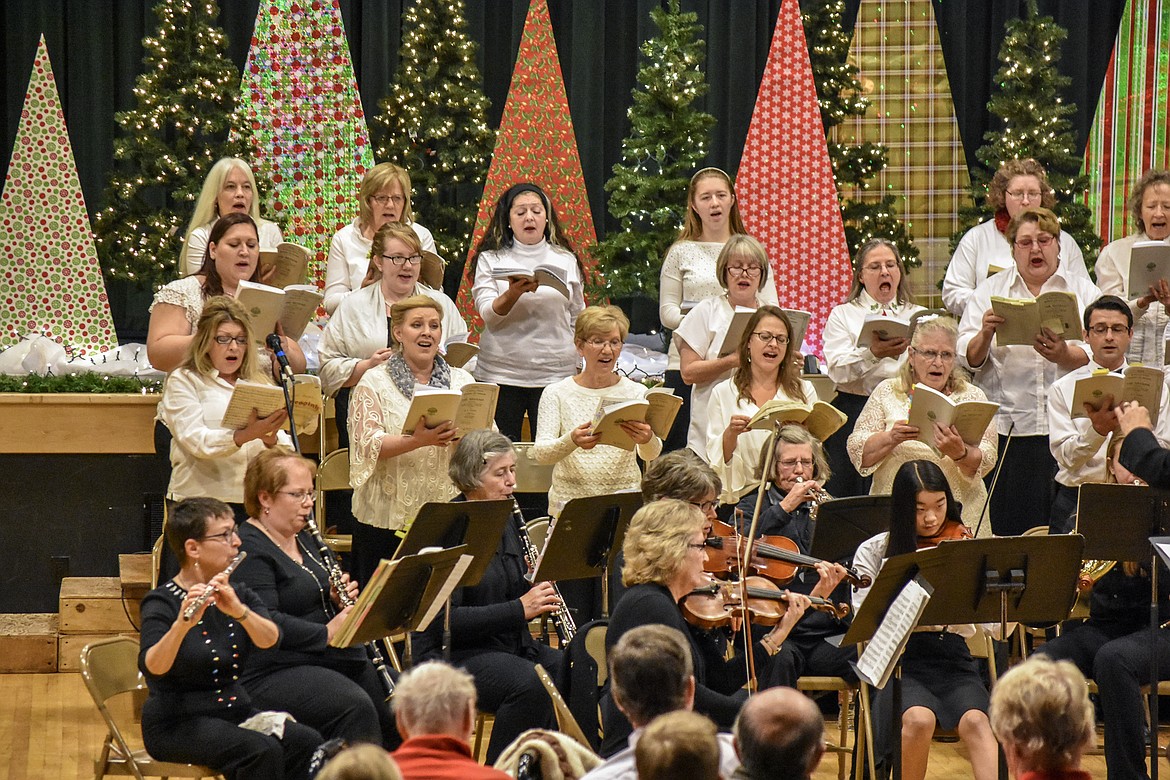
335 580
562 619
210 590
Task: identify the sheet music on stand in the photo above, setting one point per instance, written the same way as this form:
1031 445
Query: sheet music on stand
881 654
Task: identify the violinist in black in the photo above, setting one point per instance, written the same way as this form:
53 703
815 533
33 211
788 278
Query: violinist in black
799 472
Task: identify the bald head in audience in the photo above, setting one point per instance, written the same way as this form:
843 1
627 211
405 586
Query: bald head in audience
779 735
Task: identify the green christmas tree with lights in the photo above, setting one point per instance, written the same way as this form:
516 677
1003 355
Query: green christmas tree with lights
668 140
1034 122
185 100
434 124
840 95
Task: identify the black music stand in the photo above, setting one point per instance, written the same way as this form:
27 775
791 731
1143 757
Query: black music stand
844 523
583 541
1017 578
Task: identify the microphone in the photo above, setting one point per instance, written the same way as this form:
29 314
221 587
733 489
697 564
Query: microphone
273 342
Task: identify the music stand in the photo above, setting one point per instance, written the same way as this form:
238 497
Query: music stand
844 523
1018 578
585 538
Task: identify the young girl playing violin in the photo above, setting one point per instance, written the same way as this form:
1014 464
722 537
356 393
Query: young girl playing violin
940 682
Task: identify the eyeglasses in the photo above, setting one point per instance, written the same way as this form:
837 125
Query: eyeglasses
791 463
704 506
701 546
223 341
1116 330
766 337
300 495
614 344
225 537
382 200
399 260
879 267
1029 194
931 355
750 271
1042 241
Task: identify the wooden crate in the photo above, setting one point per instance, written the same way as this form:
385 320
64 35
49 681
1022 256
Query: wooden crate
69 647
94 605
134 573
28 643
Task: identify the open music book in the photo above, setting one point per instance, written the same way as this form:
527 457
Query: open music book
1149 261
473 407
970 418
882 326
290 264
1140 383
293 307
459 352
881 654
821 419
658 408
546 274
1056 310
266 399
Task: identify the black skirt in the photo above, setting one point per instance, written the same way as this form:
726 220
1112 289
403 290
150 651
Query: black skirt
939 673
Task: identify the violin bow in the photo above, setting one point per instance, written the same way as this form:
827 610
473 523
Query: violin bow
983 515
746 547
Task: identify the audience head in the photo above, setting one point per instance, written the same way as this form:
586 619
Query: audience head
1041 714
933 357
188 521
920 501
223 319
1020 184
797 454
435 698
657 545
221 259
678 744
268 474
1149 204
779 735
683 475
361 762
879 270
710 200
384 196
651 673
478 457
742 259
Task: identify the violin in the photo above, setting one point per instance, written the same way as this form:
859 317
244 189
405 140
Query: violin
775 557
718 604
951 530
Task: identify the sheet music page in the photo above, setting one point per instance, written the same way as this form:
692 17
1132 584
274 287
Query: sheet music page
445 592
877 660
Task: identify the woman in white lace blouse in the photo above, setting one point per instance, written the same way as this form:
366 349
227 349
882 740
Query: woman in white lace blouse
882 440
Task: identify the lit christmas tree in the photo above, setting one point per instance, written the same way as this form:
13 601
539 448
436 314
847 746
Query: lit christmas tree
840 96
434 123
185 102
668 140
1035 123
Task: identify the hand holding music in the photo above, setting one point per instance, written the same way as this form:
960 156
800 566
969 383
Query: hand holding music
262 428
438 436
335 623
541 599
1131 415
518 285
1103 418
830 575
584 437
902 431
884 348
1051 346
990 322
948 441
640 432
737 425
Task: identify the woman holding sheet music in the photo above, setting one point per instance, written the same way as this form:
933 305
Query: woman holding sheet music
742 270
883 439
880 289
206 458
527 340
765 373
1149 204
232 256
568 408
940 682
358 335
394 473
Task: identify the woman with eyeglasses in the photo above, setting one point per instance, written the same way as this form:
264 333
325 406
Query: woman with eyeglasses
192 666
384 197
564 438
206 458
987 249
1017 377
690 274
764 373
742 270
527 340
882 440
335 690
358 336
880 287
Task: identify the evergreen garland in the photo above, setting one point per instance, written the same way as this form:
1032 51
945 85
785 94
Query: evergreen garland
86 382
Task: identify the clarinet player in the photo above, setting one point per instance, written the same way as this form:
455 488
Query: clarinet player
489 621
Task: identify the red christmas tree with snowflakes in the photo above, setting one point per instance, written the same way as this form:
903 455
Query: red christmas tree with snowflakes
785 185
536 143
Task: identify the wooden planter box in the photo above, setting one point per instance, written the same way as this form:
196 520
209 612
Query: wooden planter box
77 423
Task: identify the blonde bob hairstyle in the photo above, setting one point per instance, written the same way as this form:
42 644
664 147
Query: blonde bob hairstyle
597 321
399 310
745 247
361 762
957 381
207 205
1044 219
693 225
377 179
656 541
1151 178
220 310
997 190
1041 709
268 473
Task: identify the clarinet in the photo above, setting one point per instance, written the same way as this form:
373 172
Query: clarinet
562 619
210 590
343 596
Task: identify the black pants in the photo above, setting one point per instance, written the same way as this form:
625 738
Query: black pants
1120 669
1023 494
370 546
1064 510
801 657
513 403
677 438
507 686
845 481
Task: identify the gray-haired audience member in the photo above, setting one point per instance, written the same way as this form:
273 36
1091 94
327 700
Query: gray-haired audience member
779 735
651 674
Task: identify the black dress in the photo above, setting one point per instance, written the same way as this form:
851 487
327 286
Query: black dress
491 640
336 691
194 710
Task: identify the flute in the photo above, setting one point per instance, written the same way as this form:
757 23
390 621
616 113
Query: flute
210 590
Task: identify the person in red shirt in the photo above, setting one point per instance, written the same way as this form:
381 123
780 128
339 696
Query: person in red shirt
434 705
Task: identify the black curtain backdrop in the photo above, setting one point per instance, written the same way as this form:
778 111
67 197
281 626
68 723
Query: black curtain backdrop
96 51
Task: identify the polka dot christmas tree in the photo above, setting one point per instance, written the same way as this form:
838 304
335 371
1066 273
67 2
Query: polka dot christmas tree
50 279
